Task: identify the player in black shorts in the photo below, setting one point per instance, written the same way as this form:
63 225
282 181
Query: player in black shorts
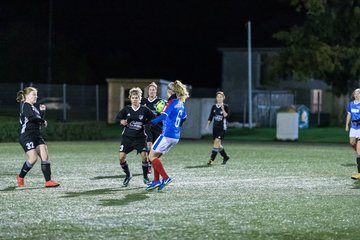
31 121
219 113
152 131
134 117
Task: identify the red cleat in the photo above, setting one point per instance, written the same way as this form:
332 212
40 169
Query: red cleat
20 181
51 183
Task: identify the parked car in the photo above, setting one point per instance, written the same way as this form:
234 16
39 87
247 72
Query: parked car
54 103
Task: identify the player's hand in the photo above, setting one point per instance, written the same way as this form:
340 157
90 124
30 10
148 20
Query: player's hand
222 107
123 122
347 128
42 107
45 123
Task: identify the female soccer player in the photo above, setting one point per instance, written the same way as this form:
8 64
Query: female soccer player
219 112
172 116
152 132
134 118
353 115
31 121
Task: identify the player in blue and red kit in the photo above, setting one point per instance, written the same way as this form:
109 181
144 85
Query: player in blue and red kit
172 117
353 116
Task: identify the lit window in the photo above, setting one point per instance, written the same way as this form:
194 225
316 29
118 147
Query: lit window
316 100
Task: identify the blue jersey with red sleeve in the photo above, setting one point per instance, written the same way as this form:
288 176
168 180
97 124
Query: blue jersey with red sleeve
354 110
172 116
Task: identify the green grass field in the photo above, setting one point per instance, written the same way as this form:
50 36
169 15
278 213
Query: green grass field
266 191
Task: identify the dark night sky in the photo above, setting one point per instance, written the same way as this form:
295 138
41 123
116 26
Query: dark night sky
98 39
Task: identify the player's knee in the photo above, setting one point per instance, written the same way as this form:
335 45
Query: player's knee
151 154
143 156
32 160
122 158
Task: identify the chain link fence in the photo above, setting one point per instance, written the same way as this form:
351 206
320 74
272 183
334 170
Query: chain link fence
64 102
266 103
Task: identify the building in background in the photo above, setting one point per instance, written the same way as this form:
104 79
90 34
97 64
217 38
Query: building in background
269 94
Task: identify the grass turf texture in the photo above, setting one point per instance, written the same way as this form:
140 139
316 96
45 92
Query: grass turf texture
307 135
266 191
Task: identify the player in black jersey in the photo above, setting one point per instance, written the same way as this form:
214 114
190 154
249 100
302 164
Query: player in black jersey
134 118
219 113
31 120
152 131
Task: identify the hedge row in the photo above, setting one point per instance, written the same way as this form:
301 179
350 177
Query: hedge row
56 131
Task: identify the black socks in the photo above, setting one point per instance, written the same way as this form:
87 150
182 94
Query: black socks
46 169
145 165
125 167
223 153
214 152
25 169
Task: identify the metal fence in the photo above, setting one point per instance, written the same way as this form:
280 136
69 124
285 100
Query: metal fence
266 103
64 102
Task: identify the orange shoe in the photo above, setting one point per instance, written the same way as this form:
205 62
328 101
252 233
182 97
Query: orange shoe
20 181
51 183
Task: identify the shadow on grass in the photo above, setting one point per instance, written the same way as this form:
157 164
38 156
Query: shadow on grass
348 164
356 185
130 198
199 166
96 192
8 189
90 193
112 176
15 188
7 174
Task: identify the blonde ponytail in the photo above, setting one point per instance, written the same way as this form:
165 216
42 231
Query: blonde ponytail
21 95
180 90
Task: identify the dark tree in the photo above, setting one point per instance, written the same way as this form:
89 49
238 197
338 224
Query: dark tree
326 46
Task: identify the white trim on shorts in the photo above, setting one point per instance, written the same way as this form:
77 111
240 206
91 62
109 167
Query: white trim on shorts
355 133
163 144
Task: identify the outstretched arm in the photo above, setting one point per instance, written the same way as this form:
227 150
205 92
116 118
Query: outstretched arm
158 118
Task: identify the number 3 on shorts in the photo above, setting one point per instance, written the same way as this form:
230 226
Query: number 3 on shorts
29 145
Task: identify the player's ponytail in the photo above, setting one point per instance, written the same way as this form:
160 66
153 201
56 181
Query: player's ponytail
180 90
21 95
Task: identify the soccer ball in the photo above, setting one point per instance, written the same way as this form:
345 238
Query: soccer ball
159 106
